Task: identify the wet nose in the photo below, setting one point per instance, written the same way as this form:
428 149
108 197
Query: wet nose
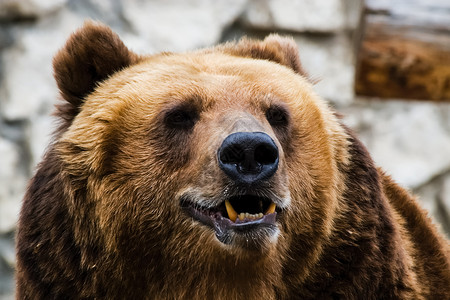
248 157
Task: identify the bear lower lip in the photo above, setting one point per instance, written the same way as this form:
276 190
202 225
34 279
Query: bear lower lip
222 224
261 217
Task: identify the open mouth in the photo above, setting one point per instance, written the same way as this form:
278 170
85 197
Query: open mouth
237 215
240 209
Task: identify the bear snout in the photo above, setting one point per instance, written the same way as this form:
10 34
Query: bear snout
248 157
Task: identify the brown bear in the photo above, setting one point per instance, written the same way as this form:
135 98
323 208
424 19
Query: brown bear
213 174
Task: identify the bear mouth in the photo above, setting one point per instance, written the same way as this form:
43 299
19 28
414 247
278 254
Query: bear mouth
238 215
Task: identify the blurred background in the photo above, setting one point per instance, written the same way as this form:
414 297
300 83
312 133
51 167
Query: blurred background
399 50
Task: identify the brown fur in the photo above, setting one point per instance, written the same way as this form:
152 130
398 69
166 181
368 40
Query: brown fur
102 218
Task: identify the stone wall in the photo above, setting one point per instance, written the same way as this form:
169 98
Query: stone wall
411 140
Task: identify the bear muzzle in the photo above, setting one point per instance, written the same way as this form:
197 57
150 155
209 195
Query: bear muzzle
252 200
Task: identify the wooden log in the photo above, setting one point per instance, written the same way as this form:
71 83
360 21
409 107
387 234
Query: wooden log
404 50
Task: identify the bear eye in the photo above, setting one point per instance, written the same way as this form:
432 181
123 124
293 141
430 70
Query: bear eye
181 117
277 116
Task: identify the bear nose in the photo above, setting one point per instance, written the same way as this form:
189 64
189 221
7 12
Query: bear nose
248 157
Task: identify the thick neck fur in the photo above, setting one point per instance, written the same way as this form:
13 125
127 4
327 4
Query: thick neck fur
223 277
205 272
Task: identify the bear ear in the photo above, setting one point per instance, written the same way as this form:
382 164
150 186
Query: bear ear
282 50
90 55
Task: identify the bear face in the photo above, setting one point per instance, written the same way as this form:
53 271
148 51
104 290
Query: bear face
161 125
217 173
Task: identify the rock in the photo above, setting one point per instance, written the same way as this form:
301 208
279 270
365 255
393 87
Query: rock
193 23
428 195
445 194
6 39
14 9
410 140
29 89
7 251
444 198
12 188
329 60
352 9
298 15
106 11
435 198
39 136
7 264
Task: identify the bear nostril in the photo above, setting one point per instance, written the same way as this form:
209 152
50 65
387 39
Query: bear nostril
233 154
265 154
248 157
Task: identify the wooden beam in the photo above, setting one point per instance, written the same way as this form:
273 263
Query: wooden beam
404 50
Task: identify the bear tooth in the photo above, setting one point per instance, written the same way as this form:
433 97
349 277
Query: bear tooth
250 216
271 209
232 214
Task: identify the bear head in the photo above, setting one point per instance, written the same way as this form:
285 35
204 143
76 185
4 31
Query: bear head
221 159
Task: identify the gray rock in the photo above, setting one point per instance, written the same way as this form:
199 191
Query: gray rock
352 10
428 195
39 136
12 9
298 15
444 199
408 139
434 197
12 187
7 250
7 264
445 194
329 60
25 91
179 25
106 11
29 88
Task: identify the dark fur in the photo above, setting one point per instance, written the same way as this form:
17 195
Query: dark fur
353 265
381 246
